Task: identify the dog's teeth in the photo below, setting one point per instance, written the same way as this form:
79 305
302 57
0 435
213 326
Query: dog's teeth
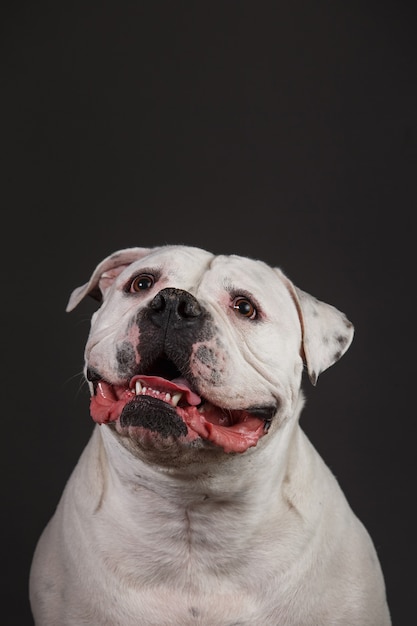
176 398
91 387
141 390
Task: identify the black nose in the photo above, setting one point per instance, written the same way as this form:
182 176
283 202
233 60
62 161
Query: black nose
175 307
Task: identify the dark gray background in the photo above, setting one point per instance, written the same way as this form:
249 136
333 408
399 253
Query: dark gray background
281 131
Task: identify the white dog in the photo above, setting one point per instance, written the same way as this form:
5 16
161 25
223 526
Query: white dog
198 499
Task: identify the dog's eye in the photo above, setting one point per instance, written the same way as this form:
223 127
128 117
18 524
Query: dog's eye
141 283
244 307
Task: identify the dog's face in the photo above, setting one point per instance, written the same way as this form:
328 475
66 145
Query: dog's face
191 351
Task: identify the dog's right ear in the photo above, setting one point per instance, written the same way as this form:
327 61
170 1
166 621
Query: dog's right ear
104 275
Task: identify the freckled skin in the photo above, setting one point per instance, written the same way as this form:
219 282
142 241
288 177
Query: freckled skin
207 357
341 340
126 359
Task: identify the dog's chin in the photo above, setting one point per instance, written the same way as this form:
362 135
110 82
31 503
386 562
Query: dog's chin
155 418
150 425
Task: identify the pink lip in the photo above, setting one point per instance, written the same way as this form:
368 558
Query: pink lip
233 431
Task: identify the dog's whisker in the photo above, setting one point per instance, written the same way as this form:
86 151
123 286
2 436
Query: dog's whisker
81 384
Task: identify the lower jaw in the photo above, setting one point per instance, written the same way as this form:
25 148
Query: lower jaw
152 423
150 439
214 440
172 454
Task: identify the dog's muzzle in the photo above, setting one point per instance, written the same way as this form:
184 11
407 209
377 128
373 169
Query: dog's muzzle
161 394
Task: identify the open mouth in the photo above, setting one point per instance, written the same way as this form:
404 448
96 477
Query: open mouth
148 400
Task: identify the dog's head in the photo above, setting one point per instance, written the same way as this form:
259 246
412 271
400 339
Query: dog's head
189 350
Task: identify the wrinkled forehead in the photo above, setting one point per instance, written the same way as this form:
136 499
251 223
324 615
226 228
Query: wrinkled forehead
181 266
235 271
201 272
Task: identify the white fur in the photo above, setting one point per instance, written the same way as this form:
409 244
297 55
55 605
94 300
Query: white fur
198 536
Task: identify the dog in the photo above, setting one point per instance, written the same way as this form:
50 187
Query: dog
198 499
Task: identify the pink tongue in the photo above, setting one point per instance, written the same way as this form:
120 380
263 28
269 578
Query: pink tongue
162 384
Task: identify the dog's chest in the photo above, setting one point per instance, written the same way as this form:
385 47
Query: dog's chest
184 569
161 606
179 541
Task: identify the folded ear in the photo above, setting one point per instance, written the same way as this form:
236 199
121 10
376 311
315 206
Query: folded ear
104 275
326 331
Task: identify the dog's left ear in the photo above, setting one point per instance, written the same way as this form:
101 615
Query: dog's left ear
104 275
326 331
